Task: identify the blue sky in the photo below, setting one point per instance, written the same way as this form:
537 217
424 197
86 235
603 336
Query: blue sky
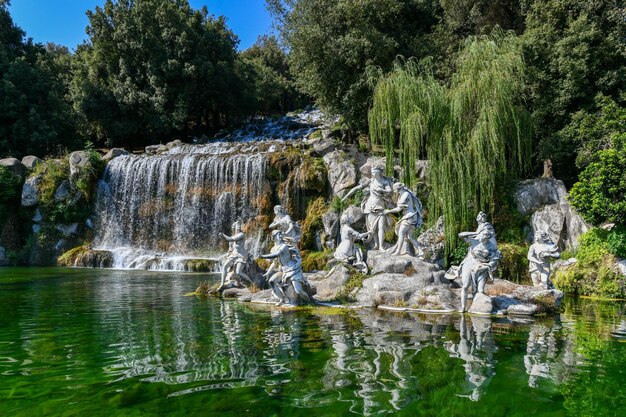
64 21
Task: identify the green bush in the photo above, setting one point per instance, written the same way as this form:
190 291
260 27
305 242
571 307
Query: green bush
514 263
10 192
600 194
616 241
52 172
594 274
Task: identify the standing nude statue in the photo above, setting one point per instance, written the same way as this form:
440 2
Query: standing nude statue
236 257
284 223
288 256
411 208
539 255
481 260
374 206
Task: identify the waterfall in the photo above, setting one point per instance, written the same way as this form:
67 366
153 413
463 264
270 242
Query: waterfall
162 211
155 212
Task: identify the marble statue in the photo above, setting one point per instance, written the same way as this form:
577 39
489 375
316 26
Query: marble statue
347 252
481 260
374 206
287 255
539 255
410 206
284 223
237 256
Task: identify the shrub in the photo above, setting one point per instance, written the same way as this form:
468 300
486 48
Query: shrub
616 241
514 264
595 273
600 194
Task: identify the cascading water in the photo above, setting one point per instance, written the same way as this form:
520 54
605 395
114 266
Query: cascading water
161 211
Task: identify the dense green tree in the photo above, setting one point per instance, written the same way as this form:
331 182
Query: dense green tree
336 45
574 49
34 114
274 87
153 69
600 194
595 129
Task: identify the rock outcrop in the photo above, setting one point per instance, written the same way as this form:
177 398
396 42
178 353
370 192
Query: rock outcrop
15 166
546 200
114 153
342 173
30 196
432 243
31 161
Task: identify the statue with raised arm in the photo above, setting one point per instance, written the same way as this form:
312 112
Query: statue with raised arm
284 223
237 256
347 252
539 255
411 208
286 252
481 260
375 204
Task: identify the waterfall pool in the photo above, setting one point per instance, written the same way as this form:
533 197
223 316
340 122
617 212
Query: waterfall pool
92 342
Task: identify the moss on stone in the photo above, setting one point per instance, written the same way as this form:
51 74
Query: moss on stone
71 257
312 223
316 261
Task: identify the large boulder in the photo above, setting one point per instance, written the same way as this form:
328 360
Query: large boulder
31 161
329 285
156 149
30 197
330 221
63 191
114 153
78 160
506 294
14 166
481 304
546 200
341 171
432 243
382 262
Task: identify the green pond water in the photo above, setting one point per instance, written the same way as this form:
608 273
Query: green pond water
119 343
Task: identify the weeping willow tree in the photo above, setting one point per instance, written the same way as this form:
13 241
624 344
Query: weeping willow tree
475 132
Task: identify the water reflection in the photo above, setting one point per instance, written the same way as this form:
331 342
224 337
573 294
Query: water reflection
126 333
476 348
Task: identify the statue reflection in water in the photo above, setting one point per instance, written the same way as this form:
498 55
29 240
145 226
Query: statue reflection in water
476 348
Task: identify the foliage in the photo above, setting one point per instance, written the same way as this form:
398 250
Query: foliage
355 282
53 172
90 173
273 84
594 273
312 223
11 186
595 129
514 265
153 68
316 261
574 50
600 194
35 117
335 45
475 133
616 241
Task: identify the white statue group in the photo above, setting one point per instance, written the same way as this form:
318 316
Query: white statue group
288 282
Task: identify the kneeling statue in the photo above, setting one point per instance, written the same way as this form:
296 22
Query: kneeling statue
347 252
